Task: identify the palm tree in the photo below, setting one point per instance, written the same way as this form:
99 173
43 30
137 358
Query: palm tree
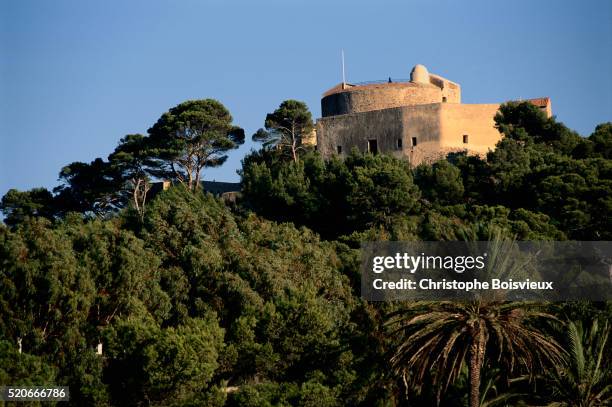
437 337
585 382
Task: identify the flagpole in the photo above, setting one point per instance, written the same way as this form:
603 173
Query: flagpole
343 74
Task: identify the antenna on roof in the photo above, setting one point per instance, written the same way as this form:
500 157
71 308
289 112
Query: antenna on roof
343 74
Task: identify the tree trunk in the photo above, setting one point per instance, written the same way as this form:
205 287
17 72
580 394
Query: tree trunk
476 355
294 143
474 377
198 177
145 191
135 194
294 149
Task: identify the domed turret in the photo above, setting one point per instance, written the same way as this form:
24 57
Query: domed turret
419 74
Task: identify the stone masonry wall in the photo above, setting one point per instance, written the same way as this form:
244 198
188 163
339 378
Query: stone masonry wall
376 97
354 130
474 121
393 130
436 128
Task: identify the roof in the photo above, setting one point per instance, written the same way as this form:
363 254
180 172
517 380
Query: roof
540 101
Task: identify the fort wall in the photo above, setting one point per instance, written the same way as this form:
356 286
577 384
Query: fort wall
422 133
451 91
339 134
366 98
411 131
468 127
421 127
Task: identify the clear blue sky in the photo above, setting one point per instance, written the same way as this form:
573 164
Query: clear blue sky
78 75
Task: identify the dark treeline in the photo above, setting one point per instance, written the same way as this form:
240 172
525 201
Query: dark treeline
193 301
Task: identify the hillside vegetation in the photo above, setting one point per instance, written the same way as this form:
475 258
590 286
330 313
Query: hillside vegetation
257 303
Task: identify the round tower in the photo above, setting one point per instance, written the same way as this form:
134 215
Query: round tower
349 98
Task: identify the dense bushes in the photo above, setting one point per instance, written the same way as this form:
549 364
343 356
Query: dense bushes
190 303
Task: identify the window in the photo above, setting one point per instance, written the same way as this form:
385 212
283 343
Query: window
443 99
399 144
414 142
373 146
465 139
339 149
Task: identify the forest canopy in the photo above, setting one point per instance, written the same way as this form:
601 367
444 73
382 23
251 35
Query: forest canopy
179 297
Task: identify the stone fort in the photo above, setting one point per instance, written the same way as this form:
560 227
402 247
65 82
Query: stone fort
422 119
